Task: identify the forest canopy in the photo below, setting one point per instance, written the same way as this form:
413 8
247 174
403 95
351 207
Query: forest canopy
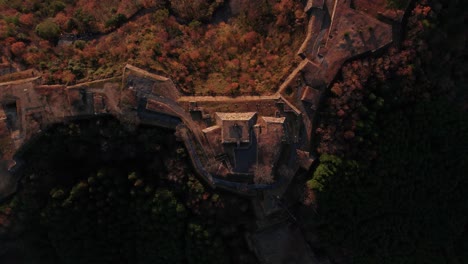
96 192
390 186
206 47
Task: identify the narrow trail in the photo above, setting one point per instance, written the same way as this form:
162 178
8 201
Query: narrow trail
20 81
135 16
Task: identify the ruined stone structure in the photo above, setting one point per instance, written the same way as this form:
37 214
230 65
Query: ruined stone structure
232 141
236 127
250 145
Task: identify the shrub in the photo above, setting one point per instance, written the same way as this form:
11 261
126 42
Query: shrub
80 44
18 48
116 21
48 30
396 4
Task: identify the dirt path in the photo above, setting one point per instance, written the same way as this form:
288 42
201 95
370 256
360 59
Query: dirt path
20 81
135 16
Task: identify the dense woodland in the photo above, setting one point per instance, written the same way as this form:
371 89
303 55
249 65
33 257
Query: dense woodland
393 136
201 45
95 192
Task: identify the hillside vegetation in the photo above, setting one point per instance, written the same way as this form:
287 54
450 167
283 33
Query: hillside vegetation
95 192
391 184
202 46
